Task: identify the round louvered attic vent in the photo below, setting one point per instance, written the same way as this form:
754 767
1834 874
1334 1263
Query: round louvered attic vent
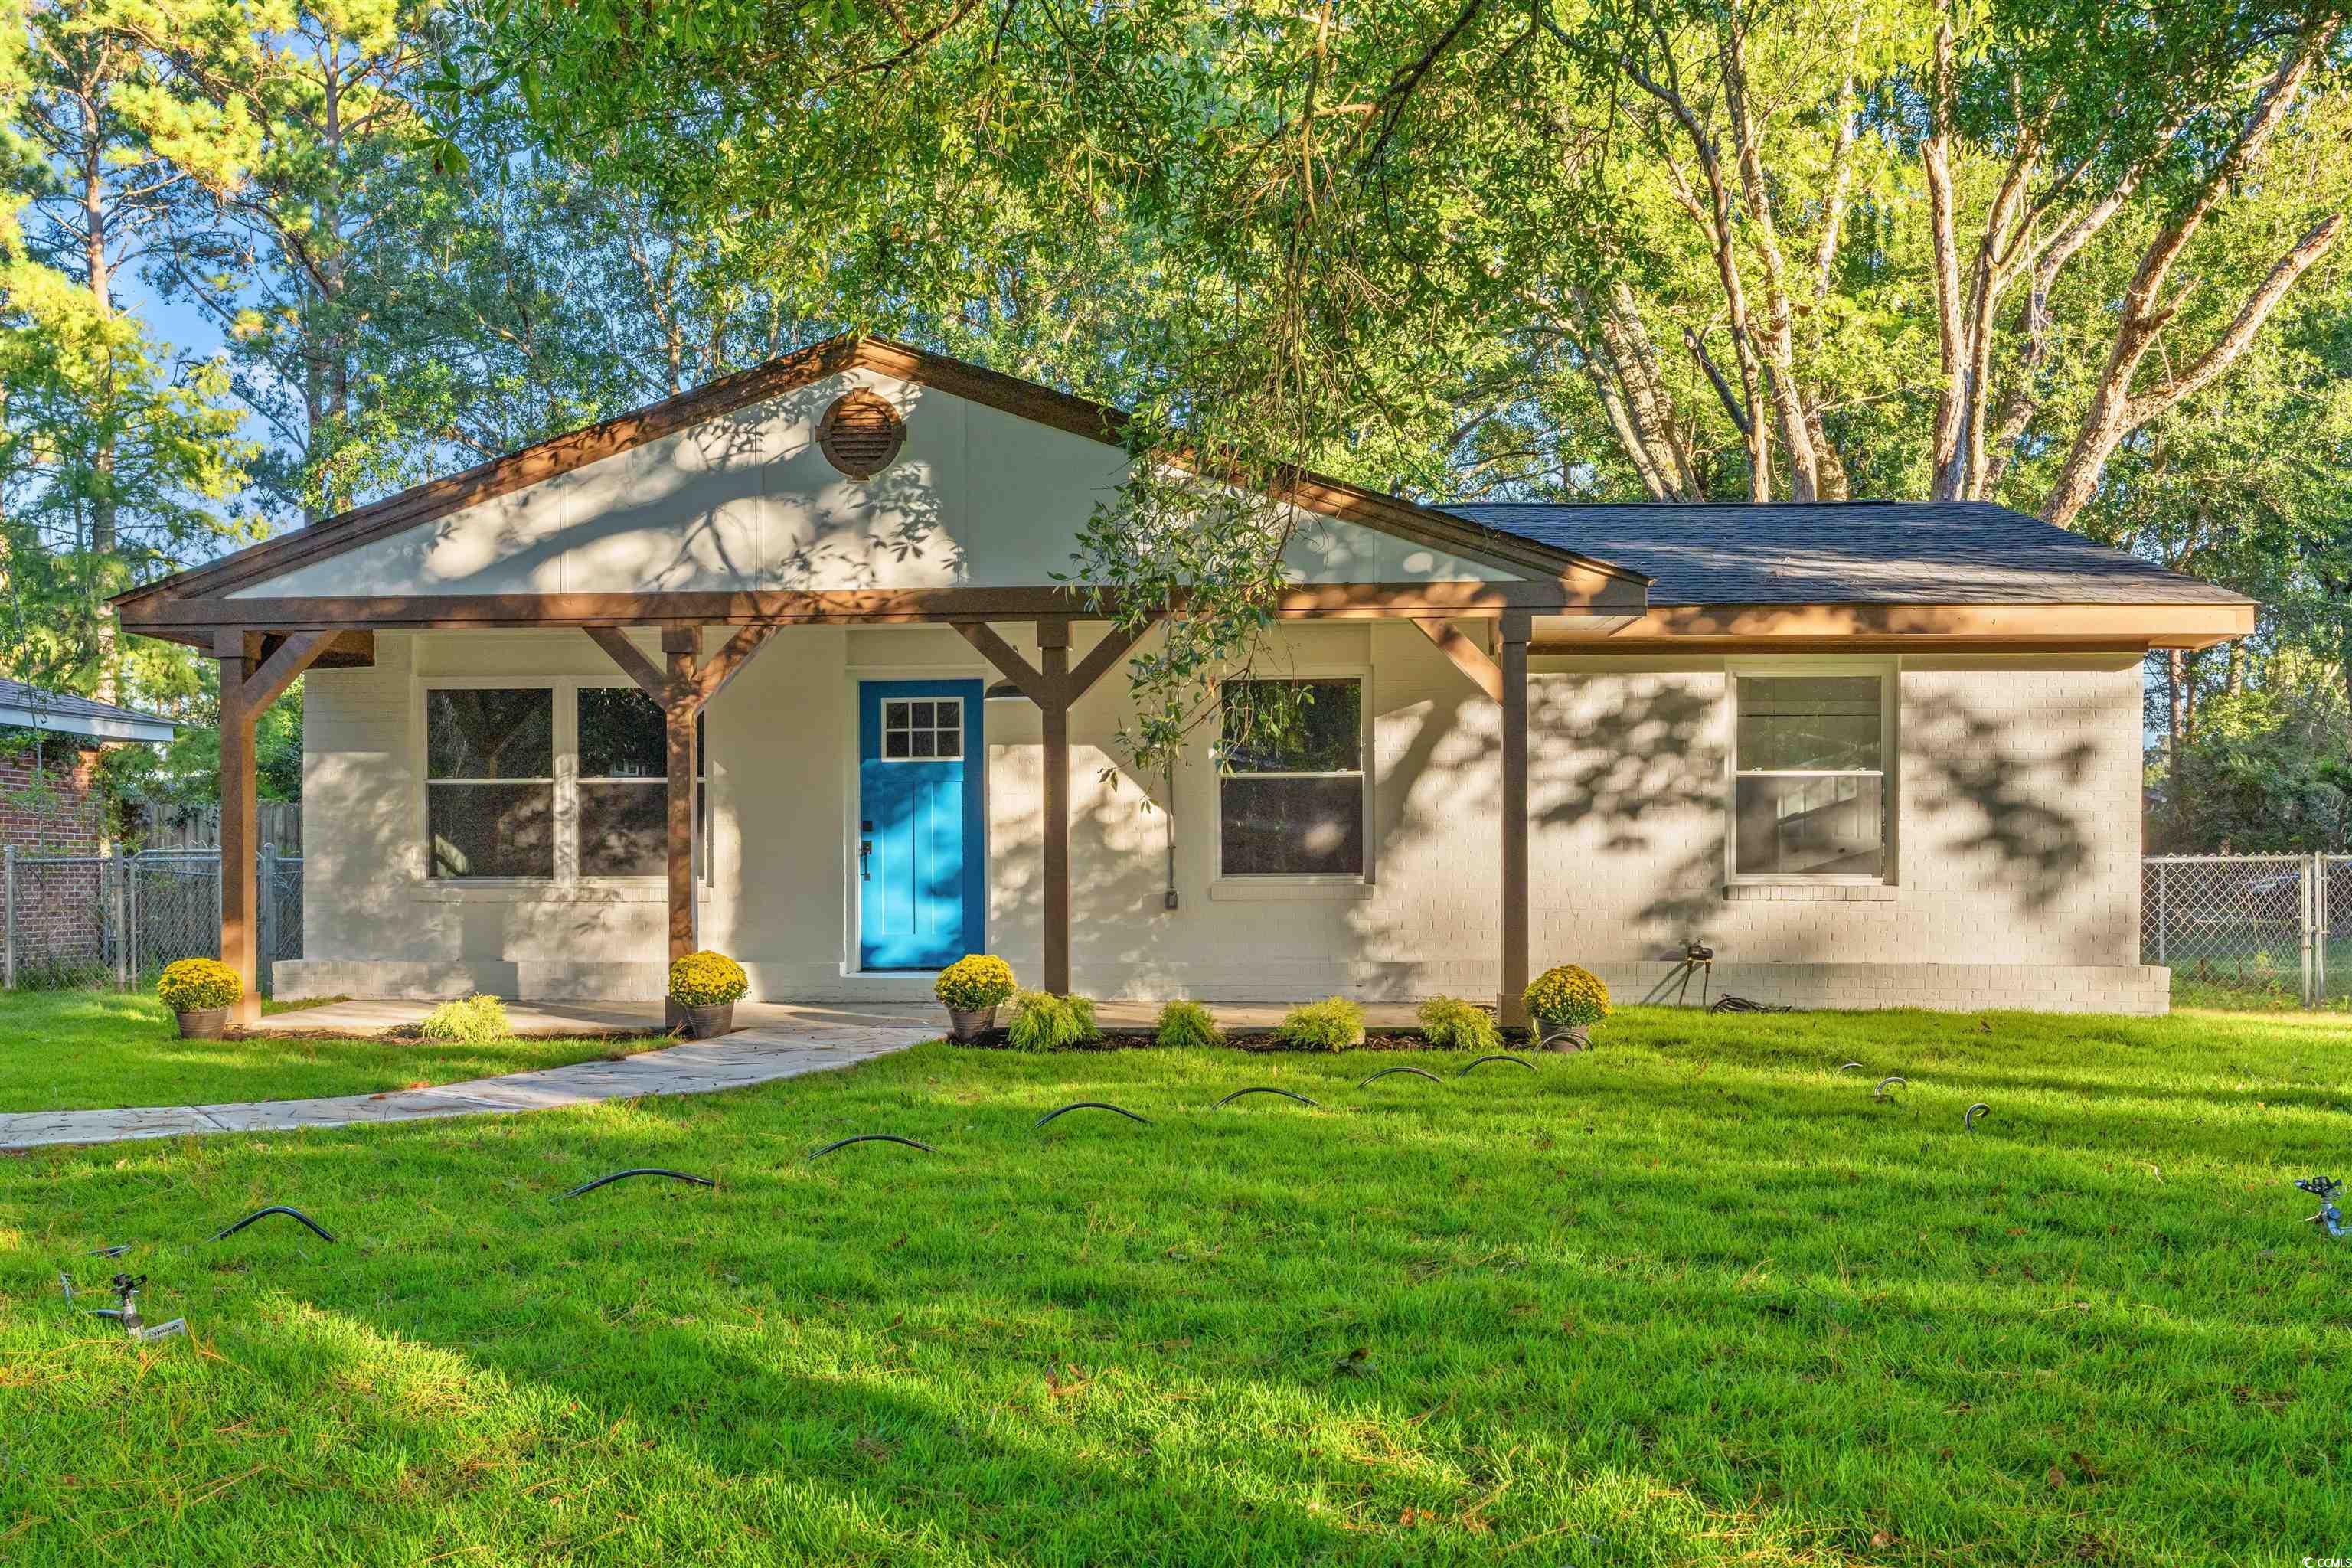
861 434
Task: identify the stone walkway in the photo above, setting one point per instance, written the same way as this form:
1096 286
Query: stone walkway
774 1042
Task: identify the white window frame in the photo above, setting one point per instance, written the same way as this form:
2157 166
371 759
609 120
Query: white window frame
565 695
1242 881
963 729
1890 691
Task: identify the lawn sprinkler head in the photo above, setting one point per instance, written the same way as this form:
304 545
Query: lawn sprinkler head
126 1289
2325 1189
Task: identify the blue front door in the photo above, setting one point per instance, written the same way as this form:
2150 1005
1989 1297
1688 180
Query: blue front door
922 846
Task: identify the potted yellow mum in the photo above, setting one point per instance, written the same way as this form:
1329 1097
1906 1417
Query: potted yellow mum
972 989
1566 1001
200 991
706 987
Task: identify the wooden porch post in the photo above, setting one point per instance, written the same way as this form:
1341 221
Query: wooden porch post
1054 652
1515 628
239 884
683 647
253 674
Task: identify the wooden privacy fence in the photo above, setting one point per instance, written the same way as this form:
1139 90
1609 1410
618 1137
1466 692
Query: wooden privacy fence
157 826
117 920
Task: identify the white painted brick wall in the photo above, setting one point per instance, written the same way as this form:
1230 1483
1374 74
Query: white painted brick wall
2016 878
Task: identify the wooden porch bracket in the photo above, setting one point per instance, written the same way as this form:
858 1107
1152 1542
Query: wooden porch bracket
1468 656
1055 690
253 675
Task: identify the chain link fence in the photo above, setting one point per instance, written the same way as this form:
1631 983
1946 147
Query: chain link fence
117 920
2249 930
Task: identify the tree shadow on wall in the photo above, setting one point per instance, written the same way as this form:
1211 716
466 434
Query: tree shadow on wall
1640 768
1988 770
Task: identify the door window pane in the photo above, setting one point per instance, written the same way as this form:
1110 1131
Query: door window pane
925 730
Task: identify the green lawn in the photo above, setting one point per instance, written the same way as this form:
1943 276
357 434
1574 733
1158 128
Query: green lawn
1691 1297
83 1050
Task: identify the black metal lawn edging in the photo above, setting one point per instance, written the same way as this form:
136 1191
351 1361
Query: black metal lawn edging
640 1170
323 1234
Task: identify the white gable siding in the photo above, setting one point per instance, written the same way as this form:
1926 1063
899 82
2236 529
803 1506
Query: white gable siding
978 498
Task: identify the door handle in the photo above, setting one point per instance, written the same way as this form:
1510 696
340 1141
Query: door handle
866 855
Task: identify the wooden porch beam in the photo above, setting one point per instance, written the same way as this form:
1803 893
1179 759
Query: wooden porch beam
1468 656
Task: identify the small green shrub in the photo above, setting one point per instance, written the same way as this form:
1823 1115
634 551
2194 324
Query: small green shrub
1567 997
1450 1023
974 983
1188 1024
470 1021
198 985
1334 1023
1044 1022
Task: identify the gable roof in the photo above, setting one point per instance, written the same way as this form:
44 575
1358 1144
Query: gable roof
1860 552
1030 400
65 713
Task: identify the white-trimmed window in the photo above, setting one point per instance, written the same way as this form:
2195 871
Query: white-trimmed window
489 791
1810 797
1291 786
557 782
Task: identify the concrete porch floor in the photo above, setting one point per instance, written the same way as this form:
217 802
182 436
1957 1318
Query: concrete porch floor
373 1015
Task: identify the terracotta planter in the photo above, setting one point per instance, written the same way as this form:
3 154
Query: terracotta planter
965 1027
1567 1038
208 1023
708 1023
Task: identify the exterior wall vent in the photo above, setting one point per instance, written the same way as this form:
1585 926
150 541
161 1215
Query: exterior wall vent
861 434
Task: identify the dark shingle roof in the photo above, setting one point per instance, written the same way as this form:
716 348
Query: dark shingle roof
1935 552
63 711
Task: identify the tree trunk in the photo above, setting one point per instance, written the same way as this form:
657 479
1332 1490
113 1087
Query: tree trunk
105 524
2115 411
1642 406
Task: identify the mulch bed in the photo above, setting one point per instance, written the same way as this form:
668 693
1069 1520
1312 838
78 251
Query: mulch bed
1139 1040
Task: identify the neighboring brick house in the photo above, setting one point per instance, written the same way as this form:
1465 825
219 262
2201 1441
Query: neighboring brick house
49 746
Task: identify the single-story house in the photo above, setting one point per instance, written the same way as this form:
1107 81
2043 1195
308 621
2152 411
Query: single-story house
787 666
